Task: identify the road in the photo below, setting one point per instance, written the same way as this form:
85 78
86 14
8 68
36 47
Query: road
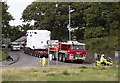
24 60
31 61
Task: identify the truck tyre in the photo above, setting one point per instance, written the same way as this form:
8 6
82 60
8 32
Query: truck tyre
64 59
30 54
53 55
33 54
36 55
59 57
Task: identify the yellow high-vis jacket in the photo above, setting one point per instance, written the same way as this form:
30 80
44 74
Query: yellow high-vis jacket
102 59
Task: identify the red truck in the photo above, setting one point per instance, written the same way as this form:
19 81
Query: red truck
68 51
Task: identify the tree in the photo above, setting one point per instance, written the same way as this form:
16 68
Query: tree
102 15
6 17
55 19
99 17
18 31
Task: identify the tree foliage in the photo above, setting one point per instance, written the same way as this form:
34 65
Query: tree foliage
98 19
13 32
94 32
102 15
6 17
55 18
18 31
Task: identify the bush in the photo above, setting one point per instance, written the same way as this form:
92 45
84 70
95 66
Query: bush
107 45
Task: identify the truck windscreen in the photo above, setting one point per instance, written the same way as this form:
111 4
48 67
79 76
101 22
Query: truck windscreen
78 47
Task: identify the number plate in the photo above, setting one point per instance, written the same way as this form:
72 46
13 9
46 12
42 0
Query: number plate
78 58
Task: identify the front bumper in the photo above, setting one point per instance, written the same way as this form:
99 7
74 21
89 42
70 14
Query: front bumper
76 57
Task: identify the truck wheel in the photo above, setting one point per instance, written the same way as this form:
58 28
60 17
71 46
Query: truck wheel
30 54
60 57
36 55
33 54
64 59
53 57
39 56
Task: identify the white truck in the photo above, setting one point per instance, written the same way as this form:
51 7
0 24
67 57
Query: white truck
36 44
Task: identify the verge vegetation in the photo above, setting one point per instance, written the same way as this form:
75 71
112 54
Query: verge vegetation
3 55
63 73
108 45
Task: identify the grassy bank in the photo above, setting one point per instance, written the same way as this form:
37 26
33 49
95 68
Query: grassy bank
108 45
79 73
3 55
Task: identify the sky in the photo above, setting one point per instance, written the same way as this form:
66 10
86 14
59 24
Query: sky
16 7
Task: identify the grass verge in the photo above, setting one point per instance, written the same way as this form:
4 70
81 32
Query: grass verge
63 73
3 55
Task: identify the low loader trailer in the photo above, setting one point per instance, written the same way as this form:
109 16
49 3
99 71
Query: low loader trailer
37 42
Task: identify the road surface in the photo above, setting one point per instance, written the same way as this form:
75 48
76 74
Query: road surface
31 61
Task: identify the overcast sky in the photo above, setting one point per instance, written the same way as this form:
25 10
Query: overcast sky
16 8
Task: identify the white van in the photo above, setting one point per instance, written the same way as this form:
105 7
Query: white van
15 46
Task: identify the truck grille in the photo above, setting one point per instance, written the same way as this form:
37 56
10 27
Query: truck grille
76 56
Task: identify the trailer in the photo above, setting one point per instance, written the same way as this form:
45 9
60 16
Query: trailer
68 51
39 44
36 44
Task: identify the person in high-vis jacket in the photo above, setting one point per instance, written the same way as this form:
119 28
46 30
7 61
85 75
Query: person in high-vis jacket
103 60
43 61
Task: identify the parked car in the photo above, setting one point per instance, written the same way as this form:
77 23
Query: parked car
3 45
15 46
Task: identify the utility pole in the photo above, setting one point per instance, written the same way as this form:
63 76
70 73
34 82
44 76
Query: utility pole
69 27
57 47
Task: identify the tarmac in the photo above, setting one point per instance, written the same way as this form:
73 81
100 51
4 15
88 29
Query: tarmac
5 62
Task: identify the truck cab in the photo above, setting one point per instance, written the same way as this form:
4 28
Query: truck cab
73 51
70 51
